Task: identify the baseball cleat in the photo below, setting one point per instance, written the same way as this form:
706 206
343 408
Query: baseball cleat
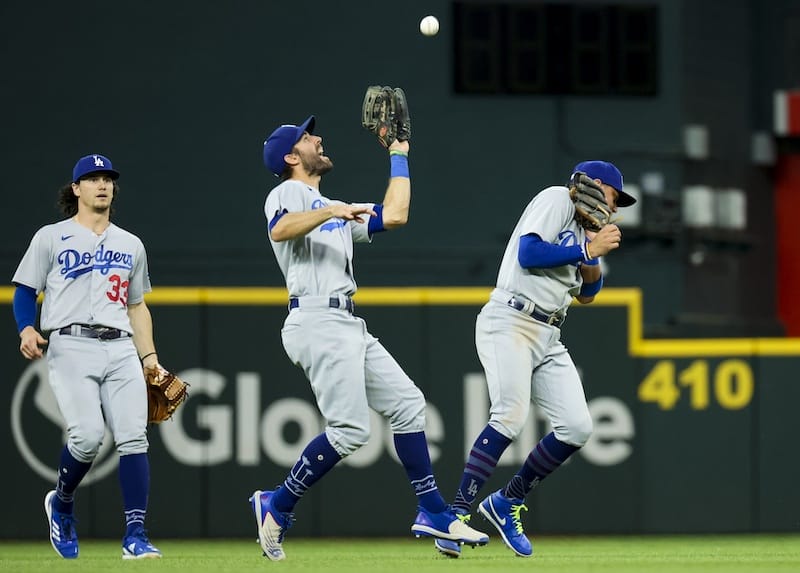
503 513
62 529
451 548
138 546
446 525
272 525
448 548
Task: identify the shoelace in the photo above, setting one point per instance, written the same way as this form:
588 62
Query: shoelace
464 517
141 535
515 509
287 519
66 523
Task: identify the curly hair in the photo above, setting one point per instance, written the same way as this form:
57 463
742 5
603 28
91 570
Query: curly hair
68 201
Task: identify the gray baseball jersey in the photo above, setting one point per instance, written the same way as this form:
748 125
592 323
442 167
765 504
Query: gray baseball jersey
551 215
91 279
524 358
321 263
350 371
87 278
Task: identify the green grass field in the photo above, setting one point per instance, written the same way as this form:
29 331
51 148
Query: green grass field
653 554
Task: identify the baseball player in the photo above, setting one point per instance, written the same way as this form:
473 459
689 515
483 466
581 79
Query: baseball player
350 371
549 260
94 277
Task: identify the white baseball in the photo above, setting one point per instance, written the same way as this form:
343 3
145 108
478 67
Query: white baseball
429 26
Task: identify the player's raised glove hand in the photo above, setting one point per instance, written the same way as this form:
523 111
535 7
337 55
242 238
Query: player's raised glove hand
399 145
165 392
385 114
591 210
403 115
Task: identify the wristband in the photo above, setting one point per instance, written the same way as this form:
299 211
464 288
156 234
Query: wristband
399 164
591 289
588 259
146 355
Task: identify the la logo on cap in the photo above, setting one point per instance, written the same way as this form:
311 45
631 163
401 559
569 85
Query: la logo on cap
93 163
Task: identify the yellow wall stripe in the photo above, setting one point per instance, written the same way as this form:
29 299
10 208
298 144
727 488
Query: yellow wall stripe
631 298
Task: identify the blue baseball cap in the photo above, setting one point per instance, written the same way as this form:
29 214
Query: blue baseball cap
281 141
93 164
608 174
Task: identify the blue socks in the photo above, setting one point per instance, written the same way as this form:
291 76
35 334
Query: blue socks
70 474
134 480
412 449
483 458
543 460
317 459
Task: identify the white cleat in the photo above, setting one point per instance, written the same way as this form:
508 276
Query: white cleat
446 525
272 525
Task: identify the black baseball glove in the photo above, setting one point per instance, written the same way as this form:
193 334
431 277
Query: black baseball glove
385 114
591 210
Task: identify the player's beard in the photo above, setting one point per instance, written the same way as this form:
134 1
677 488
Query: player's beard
316 164
102 206
98 207
105 210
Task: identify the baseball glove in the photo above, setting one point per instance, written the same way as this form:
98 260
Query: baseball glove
385 114
165 392
591 210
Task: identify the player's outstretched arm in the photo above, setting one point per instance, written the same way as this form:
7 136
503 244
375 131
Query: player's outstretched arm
397 201
294 225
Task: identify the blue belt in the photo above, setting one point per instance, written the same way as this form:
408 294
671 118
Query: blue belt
540 316
93 331
333 302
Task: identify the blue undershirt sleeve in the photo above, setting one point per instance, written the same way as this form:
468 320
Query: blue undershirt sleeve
375 224
534 253
24 306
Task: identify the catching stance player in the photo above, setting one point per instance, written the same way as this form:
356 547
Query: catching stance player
94 276
349 370
550 258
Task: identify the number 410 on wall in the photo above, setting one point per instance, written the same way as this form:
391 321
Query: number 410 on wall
731 381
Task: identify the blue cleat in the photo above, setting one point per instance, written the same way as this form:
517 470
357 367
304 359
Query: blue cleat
503 513
62 529
446 525
272 524
448 548
451 548
138 546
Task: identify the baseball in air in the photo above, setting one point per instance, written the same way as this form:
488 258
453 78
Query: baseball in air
429 26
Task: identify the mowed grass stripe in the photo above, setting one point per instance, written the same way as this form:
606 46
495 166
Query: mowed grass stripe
626 554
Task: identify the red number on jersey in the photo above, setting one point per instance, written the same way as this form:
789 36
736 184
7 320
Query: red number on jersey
119 290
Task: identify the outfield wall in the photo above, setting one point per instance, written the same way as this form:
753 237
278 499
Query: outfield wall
690 435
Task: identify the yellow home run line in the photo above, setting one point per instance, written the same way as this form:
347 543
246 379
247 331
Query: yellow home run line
631 298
